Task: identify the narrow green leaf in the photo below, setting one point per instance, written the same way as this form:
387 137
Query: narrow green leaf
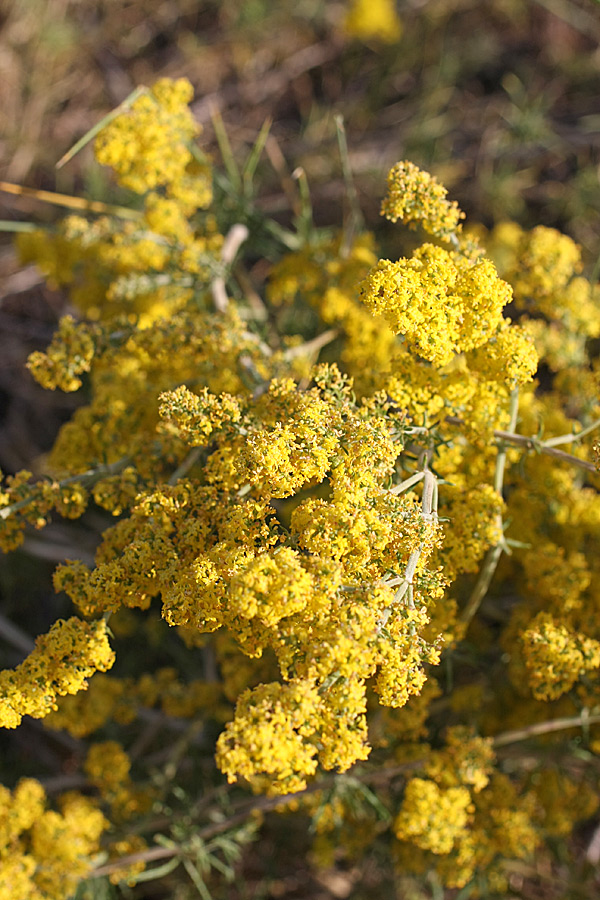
97 128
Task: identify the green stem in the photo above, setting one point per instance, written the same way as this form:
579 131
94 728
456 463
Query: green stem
68 201
184 467
407 483
222 137
355 221
254 156
492 557
304 221
571 438
482 585
531 443
14 227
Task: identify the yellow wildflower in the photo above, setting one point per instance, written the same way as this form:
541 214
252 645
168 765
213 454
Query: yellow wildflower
415 196
373 19
60 664
431 817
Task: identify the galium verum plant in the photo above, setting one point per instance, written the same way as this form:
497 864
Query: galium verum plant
319 533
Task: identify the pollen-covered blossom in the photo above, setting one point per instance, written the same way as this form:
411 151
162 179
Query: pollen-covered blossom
555 657
66 359
271 587
23 503
403 656
60 664
500 825
559 577
441 304
509 356
196 416
545 262
287 438
558 347
475 513
121 699
104 700
45 853
466 759
129 846
543 267
147 144
433 818
117 492
415 196
107 766
266 743
373 19
144 265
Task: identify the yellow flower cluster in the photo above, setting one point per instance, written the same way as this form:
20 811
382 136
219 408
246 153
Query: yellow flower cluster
564 800
23 503
286 439
433 818
116 493
459 835
143 266
267 741
147 145
474 512
556 657
107 766
219 561
125 848
60 664
416 197
300 524
138 365
441 303
143 269
465 760
545 263
373 20
325 276
437 813
543 267
509 356
68 356
44 854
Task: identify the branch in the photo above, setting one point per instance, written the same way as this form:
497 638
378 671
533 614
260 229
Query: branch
312 347
492 557
532 443
12 634
266 804
406 582
86 479
522 734
234 240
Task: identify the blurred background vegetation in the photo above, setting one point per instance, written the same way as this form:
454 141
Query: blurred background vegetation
498 99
